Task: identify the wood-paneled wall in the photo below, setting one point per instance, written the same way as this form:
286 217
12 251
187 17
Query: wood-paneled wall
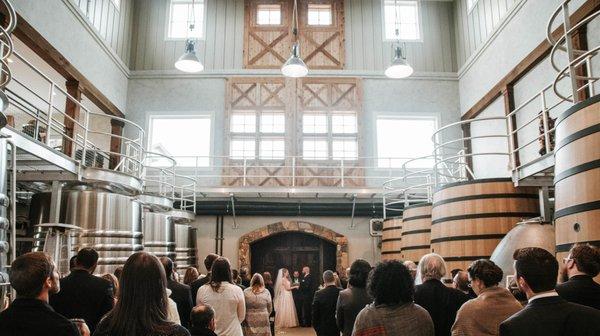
112 24
474 27
222 48
367 50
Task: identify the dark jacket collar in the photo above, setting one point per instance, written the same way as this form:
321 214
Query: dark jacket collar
31 303
581 277
550 300
201 331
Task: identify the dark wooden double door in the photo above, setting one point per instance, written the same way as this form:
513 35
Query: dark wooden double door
293 250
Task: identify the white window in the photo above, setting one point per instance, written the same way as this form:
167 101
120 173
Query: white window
272 149
402 16
343 123
187 139
346 149
471 4
319 15
314 123
181 16
243 122
272 122
268 15
243 149
401 139
315 149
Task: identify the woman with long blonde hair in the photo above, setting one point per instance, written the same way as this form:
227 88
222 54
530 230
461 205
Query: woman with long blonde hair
258 308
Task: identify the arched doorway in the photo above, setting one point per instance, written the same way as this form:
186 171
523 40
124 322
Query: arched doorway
292 250
339 241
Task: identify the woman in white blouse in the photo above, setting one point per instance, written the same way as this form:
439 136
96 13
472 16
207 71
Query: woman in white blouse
225 298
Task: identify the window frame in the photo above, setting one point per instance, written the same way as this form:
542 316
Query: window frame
419 23
329 136
331 15
194 115
435 117
258 135
168 21
281 14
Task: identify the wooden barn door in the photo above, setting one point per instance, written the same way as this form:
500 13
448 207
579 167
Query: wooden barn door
268 46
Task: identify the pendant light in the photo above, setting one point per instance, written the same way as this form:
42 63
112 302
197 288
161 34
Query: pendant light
189 62
399 68
295 67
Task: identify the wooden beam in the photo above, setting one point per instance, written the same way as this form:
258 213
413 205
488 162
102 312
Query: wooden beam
36 42
529 62
116 128
72 109
509 105
580 43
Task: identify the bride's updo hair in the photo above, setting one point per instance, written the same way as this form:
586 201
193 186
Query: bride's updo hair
221 271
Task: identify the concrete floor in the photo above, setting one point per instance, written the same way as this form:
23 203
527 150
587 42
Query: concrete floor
296 332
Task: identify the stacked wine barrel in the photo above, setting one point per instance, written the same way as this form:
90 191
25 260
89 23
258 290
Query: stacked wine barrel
470 218
416 231
391 240
577 176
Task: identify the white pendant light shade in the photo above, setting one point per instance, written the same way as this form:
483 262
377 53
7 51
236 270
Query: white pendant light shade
399 67
294 67
189 62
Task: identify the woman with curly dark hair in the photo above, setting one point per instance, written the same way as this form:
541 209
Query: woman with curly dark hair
393 311
493 304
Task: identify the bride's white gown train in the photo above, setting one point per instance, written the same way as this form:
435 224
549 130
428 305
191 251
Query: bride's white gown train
285 309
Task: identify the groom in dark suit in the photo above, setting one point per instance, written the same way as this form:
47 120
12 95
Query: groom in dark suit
307 291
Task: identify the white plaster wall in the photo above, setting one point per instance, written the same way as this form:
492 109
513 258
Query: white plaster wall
525 31
72 39
360 243
486 165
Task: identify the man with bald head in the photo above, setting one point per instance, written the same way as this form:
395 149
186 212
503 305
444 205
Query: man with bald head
461 282
202 319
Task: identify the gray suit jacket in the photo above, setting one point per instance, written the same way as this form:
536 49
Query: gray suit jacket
350 302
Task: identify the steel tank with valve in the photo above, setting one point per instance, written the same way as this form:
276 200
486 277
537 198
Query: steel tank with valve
185 240
4 223
108 222
159 234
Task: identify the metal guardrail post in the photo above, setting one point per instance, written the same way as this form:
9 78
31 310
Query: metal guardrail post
293 171
342 171
569 47
49 120
590 74
545 123
244 173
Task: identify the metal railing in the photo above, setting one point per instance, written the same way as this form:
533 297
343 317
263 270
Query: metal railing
414 186
289 171
185 193
159 175
49 123
577 58
453 162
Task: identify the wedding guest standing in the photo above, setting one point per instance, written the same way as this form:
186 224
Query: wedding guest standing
226 298
353 299
580 267
323 307
258 308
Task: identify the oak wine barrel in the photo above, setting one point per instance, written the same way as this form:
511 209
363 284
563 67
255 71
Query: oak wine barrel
470 218
391 239
577 176
416 231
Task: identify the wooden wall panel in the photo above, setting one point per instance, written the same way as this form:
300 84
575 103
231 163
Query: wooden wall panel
293 96
269 46
113 24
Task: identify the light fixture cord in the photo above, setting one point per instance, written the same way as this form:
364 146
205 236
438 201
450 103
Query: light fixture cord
397 24
295 20
192 17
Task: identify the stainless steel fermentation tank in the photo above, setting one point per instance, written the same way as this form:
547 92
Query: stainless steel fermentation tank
4 221
110 223
159 234
185 242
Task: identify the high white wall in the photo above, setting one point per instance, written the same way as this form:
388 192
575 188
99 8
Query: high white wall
360 243
77 42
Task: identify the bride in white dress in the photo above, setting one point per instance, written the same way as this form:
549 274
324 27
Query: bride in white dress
285 310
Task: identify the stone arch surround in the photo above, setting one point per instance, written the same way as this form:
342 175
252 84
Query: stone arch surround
341 242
